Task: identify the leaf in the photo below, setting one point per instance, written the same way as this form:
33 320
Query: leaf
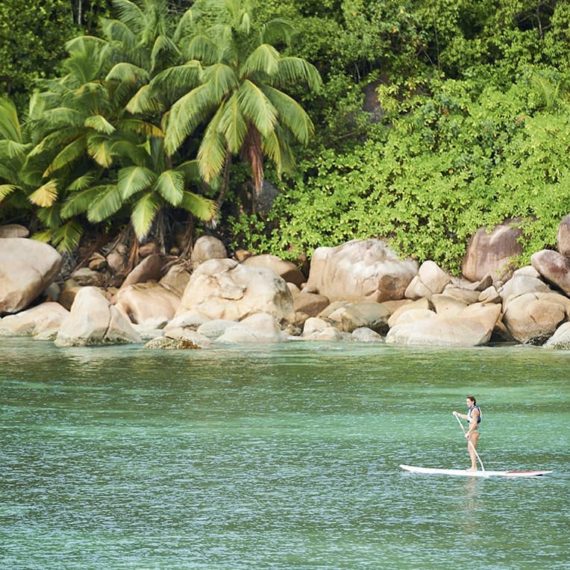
99 149
6 190
82 182
186 114
145 100
291 114
9 123
203 208
191 170
72 152
107 202
222 80
257 107
143 215
263 59
212 152
133 179
127 73
79 202
45 195
295 70
67 237
140 127
170 185
100 124
233 125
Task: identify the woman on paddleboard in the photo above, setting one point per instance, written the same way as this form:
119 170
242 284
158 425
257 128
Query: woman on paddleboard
473 417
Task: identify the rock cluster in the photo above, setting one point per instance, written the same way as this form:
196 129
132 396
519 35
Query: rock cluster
360 291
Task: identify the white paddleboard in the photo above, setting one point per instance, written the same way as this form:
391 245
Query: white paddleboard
466 473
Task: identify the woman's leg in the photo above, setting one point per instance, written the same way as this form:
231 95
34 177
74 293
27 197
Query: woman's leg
472 446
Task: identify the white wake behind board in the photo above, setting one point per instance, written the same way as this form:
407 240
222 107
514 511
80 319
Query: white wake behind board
466 473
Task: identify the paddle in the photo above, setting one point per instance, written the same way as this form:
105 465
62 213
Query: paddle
468 441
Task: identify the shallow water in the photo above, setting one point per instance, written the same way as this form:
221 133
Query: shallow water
279 457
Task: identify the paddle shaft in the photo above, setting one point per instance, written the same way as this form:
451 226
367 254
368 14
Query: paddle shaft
469 442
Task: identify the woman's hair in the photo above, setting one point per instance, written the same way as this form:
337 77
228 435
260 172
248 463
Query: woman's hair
472 398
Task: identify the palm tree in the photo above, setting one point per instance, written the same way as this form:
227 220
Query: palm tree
115 161
233 84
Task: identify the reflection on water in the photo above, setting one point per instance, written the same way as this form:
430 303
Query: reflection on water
278 457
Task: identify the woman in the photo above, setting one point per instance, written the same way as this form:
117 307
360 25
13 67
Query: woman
473 417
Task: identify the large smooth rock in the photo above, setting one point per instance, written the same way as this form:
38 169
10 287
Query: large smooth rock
86 277
43 320
176 280
149 269
285 269
473 327
308 305
225 289
206 248
357 315
360 270
430 280
564 236
560 340
524 280
492 253
532 318
318 329
14 231
443 304
146 302
554 267
93 320
27 267
410 306
259 328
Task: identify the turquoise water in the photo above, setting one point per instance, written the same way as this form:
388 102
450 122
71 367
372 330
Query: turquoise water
279 457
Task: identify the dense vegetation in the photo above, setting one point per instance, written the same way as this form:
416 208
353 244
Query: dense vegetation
434 117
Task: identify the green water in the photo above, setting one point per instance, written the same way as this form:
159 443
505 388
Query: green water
279 457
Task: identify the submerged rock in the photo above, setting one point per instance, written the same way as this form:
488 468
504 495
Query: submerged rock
166 343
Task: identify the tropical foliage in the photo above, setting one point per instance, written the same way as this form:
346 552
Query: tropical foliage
432 118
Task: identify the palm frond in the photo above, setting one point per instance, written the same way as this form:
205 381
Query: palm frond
163 49
50 217
233 124
201 207
277 30
222 80
140 127
12 150
10 128
263 59
202 48
170 82
99 124
185 25
291 114
257 107
45 195
130 14
133 179
145 100
79 202
107 203
191 170
186 114
170 185
69 154
83 182
125 72
212 152
119 34
6 190
100 150
134 153
144 213
295 70
67 237
55 140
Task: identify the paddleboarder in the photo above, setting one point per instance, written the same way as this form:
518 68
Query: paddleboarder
473 417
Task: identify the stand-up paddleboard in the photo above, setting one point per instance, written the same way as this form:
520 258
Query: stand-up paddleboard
467 473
